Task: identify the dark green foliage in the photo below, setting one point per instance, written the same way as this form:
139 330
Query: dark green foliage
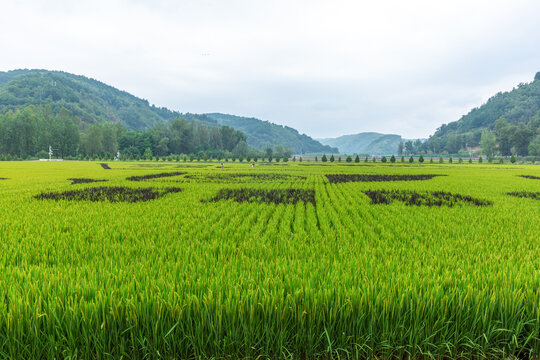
403 159
275 196
383 159
434 198
525 194
393 159
421 159
341 178
513 159
154 176
348 159
530 177
105 166
480 160
75 181
324 159
460 160
357 159
332 159
112 194
411 160
450 160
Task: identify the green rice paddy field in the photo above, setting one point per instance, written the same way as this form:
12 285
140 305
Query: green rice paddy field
289 260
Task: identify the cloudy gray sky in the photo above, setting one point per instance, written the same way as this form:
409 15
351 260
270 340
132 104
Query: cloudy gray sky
326 68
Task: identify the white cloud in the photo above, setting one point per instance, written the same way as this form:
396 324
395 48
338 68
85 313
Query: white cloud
324 67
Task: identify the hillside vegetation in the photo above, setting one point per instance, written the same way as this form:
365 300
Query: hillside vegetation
91 102
507 124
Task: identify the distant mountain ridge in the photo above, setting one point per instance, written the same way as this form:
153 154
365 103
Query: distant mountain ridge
371 143
92 101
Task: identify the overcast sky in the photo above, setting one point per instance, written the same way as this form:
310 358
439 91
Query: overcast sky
326 68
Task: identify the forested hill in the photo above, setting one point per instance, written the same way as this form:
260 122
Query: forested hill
261 134
365 143
87 99
93 102
509 120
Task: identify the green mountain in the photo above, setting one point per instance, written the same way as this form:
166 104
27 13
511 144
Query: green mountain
365 143
261 134
519 114
93 102
87 99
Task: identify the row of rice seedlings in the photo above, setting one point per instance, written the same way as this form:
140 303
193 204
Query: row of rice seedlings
275 196
105 166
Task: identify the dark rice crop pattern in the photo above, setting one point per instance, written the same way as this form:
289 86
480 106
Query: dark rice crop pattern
433 198
275 196
105 166
525 194
241 177
341 178
530 177
154 176
75 181
112 194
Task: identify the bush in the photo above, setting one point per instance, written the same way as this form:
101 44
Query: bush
332 159
384 159
421 159
431 160
450 160
460 160
470 160
513 159
348 159
403 159
393 159
411 160
501 161
366 159
324 159
480 160
374 159
357 159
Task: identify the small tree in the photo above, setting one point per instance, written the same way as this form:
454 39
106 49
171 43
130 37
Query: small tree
324 159
460 160
431 160
384 159
480 160
339 159
366 159
393 159
348 159
300 159
285 159
332 159
421 159
191 157
316 159
411 160
403 159
357 159
513 159
294 159
450 160
501 161
240 158
374 159
470 160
